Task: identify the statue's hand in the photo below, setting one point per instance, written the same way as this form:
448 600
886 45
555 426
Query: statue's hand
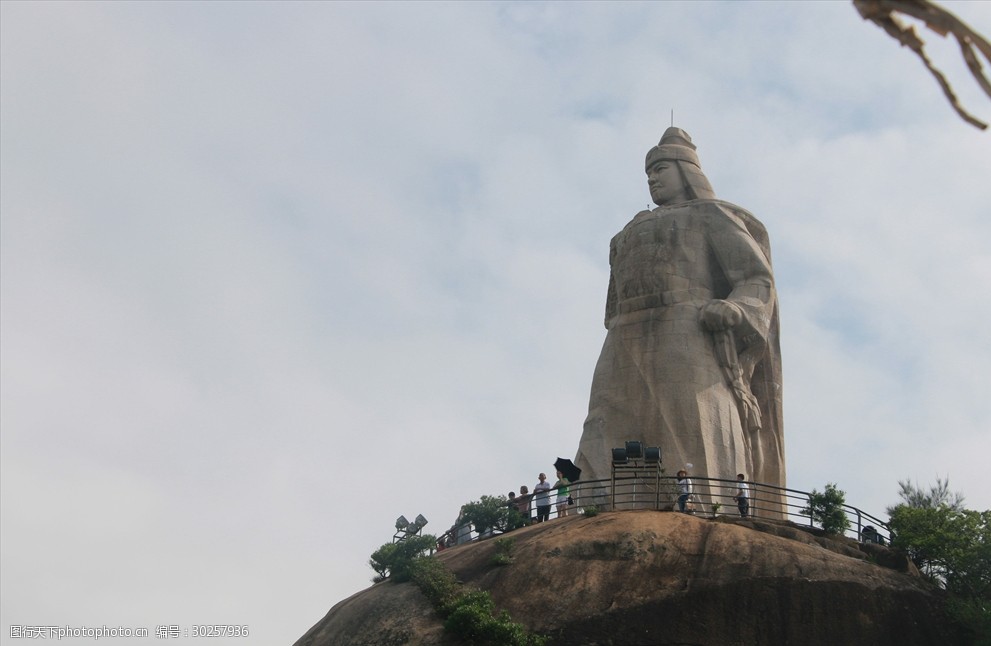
719 315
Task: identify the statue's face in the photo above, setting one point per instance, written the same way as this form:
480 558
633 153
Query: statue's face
665 183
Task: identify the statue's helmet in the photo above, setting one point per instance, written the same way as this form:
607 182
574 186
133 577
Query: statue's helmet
676 145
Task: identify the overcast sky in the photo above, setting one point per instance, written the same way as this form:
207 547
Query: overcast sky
274 274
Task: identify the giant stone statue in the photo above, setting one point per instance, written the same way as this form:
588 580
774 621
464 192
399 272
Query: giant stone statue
691 358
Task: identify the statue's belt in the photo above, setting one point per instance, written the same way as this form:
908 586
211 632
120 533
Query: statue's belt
674 297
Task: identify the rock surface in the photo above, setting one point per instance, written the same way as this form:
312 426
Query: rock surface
646 577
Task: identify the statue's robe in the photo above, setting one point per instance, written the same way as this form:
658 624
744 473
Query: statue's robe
658 378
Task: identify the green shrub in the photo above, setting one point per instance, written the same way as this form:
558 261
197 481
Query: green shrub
381 561
471 619
951 546
394 560
503 551
826 508
468 614
490 513
436 582
975 614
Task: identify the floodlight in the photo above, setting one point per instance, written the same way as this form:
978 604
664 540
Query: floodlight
634 450
652 454
402 523
420 521
619 456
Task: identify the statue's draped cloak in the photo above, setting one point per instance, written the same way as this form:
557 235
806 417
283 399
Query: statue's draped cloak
658 379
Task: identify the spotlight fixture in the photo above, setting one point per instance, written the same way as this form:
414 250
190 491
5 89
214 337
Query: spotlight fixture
402 523
634 450
420 521
652 454
619 456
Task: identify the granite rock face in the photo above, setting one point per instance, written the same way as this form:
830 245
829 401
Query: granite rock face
657 578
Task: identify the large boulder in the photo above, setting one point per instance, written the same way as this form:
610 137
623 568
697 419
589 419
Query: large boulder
658 578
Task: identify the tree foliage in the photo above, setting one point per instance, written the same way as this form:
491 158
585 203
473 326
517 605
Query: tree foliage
951 546
936 495
473 617
826 508
395 560
469 615
490 513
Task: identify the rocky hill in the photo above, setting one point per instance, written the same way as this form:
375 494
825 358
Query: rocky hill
661 578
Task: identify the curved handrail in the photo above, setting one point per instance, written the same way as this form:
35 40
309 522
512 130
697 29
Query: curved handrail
644 487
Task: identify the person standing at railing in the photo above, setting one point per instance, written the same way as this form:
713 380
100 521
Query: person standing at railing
463 528
542 492
684 489
523 504
563 495
515 520
742 496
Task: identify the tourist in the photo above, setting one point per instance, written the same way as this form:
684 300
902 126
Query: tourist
684 490
523 504
515 519
463 528
563 495
742 496
542 494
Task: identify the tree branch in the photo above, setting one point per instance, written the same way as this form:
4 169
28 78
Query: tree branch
882 13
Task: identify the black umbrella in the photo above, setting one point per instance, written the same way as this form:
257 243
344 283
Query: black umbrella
568 469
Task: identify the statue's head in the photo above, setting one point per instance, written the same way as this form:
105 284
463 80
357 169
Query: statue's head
674 174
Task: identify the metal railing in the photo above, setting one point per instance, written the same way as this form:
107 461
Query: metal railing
640 487
646 487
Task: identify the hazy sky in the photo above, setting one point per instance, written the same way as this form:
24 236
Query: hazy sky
274 274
